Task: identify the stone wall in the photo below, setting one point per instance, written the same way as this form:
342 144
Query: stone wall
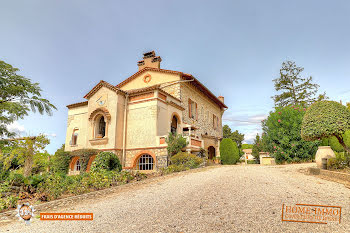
206 108
158 153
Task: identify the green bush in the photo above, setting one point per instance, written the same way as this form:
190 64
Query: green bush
185 159
123 177
229 152
59 162
100 180
54 185
341 161
174 168
324 119
15 179
106 161
35 180
8 202
282 138
175 143
251 162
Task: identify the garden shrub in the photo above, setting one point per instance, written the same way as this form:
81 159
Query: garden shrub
35 180
15 179
324 119
107 161
59 162
8 202
54 185
175 143
185 159
174 168
282 138
229 152
341 161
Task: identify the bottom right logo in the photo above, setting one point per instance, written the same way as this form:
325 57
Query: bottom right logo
321 214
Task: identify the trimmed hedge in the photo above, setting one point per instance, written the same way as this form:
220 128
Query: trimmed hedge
229 152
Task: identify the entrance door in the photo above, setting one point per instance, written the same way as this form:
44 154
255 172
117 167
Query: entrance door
211 152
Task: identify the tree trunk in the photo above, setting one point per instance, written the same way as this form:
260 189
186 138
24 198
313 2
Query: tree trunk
28 162
341 141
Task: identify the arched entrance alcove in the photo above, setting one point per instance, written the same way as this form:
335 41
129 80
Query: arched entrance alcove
211 152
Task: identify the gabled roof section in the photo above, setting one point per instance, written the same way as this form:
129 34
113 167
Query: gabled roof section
132 77
184 76
103 84
203 89
77 104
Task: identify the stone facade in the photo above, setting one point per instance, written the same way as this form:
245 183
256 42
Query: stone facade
133 118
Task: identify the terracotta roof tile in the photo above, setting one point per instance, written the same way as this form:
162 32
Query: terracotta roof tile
77 104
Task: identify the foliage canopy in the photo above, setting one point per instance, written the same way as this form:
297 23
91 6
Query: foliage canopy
296 90
18 96
282 138
324 119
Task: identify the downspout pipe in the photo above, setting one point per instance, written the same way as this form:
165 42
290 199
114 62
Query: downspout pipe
124 129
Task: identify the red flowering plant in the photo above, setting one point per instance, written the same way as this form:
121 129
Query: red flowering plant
282 136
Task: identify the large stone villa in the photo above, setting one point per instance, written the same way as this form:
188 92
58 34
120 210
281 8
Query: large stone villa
133 118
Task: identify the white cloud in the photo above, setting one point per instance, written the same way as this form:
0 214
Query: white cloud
241 120
250 136
16 127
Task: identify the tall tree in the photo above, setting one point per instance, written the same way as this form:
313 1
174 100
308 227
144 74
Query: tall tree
257 148
26 149
295 89
235 136
18 96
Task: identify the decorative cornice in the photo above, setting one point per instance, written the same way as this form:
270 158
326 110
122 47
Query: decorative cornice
175 105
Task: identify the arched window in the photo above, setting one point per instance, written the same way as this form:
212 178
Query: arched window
77 165
145 162
75 137
100 127
173 127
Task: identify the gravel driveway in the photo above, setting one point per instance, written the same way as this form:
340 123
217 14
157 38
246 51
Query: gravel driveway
217 199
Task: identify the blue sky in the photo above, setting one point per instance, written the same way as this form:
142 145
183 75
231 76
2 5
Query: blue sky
233 47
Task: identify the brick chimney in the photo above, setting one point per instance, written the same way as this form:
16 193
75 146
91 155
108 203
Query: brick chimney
149 60
221 98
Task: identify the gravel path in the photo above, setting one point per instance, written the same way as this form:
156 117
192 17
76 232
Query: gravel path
219 199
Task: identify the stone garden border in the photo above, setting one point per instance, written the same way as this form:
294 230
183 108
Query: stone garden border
340 177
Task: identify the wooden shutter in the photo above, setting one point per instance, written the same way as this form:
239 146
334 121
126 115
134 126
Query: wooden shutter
189 108
196 112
